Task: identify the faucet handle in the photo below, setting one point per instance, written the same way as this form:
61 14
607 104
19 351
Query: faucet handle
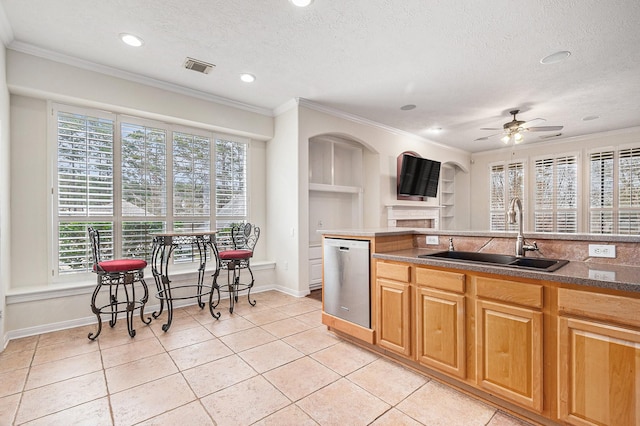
531 247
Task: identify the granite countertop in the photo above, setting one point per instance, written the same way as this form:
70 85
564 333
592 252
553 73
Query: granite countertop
380 232
616 277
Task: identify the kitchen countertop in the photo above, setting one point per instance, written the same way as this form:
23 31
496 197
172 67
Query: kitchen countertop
380 232
591 274
616 277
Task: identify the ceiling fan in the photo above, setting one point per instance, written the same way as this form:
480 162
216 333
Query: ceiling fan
514 129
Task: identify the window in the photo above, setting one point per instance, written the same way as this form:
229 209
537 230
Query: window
130 177
507 182
556 194
615 203
231 188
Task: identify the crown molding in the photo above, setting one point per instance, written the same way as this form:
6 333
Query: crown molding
361 120
137 78
290 104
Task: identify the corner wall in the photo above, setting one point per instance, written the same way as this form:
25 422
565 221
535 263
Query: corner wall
5 190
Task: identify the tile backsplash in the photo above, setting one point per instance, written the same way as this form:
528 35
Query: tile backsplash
627 253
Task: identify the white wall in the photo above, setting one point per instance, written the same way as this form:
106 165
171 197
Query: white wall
479 195
5 216
283 201
33 299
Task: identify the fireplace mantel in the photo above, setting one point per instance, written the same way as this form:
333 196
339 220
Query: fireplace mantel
413 216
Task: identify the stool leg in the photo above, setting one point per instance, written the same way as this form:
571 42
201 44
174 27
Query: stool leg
231 284
214 286
250 286
113 299
143 301
95 310
130 301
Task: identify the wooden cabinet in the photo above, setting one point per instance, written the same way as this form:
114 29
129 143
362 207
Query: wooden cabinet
509 340
393 310
599 362
440 320
559 351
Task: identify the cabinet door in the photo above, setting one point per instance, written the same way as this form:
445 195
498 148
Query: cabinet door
440 335
599 372
509 352
393 316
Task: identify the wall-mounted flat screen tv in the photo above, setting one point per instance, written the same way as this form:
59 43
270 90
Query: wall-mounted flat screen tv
419 176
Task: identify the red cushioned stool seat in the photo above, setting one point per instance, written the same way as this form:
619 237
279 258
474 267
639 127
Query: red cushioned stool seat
235 254
122 265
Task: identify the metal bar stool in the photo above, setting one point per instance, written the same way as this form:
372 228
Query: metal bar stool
244 238
119 274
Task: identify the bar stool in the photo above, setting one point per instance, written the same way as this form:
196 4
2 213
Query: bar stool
117 274
244 238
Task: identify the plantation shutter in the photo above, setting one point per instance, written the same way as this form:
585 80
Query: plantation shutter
629 191
506 182
144 188
84 186
556 194
497 187
231 185
601 192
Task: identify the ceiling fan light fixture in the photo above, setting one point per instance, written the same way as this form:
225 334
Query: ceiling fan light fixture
518 137
505 139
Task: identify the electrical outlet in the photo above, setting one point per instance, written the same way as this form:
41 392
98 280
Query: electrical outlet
594 274
602 250
432 239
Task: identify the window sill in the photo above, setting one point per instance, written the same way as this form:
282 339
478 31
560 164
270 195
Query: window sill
36 293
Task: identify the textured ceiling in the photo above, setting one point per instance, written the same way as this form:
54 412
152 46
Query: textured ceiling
464 63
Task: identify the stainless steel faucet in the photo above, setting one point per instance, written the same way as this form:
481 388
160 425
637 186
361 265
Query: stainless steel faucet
521 247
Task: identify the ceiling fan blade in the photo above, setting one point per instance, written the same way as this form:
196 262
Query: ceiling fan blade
535 119
484 138
490 128
545 128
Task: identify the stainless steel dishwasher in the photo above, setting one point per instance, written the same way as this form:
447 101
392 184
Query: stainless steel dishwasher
346 280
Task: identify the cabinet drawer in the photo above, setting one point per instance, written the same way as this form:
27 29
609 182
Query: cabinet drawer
450 281
607 307
510 291
393 271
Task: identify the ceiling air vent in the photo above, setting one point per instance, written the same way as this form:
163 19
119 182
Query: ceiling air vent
196 65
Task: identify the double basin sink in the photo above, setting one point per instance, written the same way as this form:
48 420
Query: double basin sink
531 263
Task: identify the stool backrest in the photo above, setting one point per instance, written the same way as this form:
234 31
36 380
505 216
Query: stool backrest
94 239
245 236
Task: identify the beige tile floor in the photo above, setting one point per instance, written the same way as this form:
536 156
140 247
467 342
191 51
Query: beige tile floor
272 364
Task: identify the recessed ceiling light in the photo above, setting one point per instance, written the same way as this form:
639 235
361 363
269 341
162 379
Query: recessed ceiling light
247 78
301 3
131 40
590 117
555 57
408 107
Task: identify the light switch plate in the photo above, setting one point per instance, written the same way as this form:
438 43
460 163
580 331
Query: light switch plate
432 239
602 250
